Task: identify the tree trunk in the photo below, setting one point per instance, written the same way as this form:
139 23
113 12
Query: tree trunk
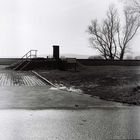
122 55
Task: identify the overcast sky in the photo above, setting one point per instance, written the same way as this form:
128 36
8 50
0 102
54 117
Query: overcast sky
39 24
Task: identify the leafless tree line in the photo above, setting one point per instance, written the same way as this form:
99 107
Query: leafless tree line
111 38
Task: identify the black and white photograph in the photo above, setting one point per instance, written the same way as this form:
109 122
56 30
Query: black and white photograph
69 69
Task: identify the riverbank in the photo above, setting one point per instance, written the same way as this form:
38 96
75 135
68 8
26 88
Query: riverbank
114 83
24 90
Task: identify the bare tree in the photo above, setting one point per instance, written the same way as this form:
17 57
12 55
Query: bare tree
110 38
133 6
130 28
102 36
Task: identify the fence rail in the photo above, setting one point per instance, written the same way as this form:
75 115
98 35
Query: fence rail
27 56
30 54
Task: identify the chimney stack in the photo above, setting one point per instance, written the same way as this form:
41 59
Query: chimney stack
56 52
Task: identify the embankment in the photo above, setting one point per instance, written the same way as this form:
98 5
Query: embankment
94 62
8 61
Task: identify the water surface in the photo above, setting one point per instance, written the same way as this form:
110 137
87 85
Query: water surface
98 123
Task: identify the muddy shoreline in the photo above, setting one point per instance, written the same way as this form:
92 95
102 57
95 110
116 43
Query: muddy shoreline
112 83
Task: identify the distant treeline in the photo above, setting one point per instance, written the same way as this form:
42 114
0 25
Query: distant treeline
8 61
87 62
94 62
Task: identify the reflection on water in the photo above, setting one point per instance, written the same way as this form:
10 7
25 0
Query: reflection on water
19 78
109 123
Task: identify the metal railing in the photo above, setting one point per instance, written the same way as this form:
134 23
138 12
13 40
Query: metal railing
27 56
30 54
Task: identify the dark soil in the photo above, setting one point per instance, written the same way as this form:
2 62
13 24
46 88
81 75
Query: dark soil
115 83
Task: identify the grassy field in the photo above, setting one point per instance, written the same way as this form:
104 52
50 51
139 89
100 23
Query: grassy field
117 83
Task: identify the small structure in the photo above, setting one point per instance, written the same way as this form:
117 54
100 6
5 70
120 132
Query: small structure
30 61
56 52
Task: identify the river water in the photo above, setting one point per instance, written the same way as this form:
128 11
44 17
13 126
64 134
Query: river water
92 124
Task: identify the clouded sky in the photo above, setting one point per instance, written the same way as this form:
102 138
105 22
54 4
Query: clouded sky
39 24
